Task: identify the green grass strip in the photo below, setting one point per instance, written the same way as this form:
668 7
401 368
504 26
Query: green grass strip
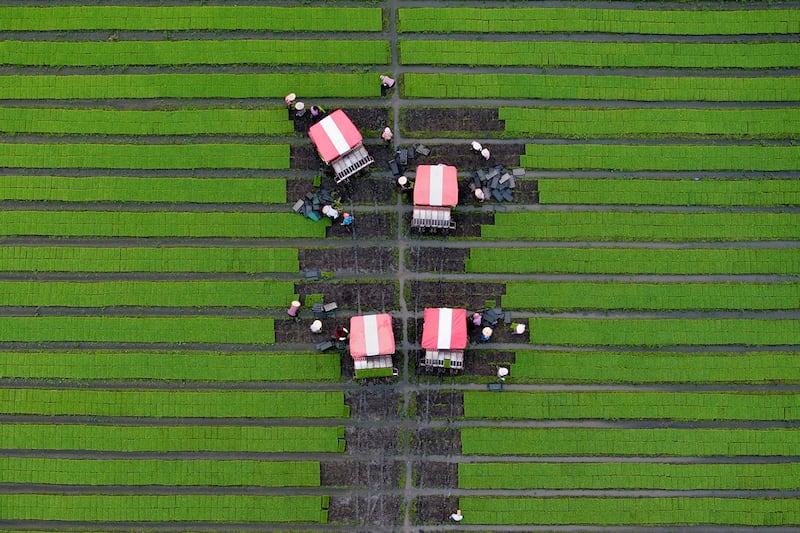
583 123
597 20
145 156
624 405
628 476
646 191
664 331
627 442
179 472
594 87
148 190
661 157
177 18
172 508
655 296
170 366
624 226
656 367
634 261
149 329
108 86
159 224
197 52
180 438
167 259
630 511
254 294
591 54
182 404
216 121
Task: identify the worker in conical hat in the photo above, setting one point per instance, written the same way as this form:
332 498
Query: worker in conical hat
476 146
316 326
486 333
486 154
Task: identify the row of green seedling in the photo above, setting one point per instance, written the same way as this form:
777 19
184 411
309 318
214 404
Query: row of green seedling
655 367
618 260
195 52
173 472
210 85
759 192
597 20
159 224
148 259
598 87
598 54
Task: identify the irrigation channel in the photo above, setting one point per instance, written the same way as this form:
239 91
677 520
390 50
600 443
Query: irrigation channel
652 248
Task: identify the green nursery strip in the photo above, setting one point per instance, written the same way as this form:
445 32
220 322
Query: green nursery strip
176 18
634 260
200 472
630 405
655 296
256 294
598 20
183 404
216 121
644 191
629 476
624 226
158 224
145 156
150 329
582 123
611 511
630 157
195 52
133 259
594 87
656 367
596 54
130 189
664 331
172 508
171 366
180 438
109 86
629 442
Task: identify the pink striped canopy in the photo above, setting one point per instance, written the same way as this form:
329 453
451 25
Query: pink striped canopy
444 329
436 185
334 135
371 335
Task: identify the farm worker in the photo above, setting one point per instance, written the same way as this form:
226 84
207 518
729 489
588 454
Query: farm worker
347 220
519 329
502 372
479 195
387 134
317 111
329 211
387 82
486 154
316 326
486 334
403 183
476 146
457 516
476 319
299 109
292 311
289 99
341 334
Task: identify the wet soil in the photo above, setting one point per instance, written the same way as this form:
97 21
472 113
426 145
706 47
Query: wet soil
298 332
378 473
418 121
434 509
436 260
374 403
465 159
435 475
379 294
486 363
437 404
371 190
454 293
378 260
371 511
373 441
439 441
